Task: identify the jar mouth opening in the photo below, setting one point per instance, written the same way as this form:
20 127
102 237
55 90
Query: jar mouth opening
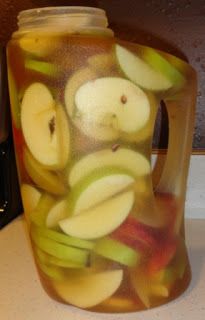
72 17
37 12
39 15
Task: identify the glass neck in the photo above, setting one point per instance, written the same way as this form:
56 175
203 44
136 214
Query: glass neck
64 19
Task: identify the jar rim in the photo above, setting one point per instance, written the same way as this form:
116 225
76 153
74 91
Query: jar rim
72 16
61 9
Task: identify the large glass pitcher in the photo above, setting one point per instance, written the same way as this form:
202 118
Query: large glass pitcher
105 235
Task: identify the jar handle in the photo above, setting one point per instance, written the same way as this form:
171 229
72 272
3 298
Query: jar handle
181 112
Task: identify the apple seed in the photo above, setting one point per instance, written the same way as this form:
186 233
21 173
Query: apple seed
51 125
123 99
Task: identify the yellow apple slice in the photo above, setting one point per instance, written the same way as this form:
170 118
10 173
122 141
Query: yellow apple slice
148 288
30 197
41 122
58 212
114 103
123 158
100 220
88 128
73 83
101 63
39 45
44 179
141 72
97 187
86 291
96 131
39 214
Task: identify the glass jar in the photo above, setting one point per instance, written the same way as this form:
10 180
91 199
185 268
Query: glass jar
107 231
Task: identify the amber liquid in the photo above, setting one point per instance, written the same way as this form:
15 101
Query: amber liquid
154 226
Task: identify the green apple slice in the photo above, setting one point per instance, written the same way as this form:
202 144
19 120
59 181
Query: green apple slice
117 251
47 259
122 158
30 197
113 102
97 187
14 100
43 67
41 122
58 250
39 214
86 291
162 65
50 271
100 220
44 179
63 238
140 72
58 212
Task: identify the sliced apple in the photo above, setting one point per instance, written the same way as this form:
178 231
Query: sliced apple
116 251
113 102
73 83
90 129
47 259
14 100
101 63
141 72
51 271
147 288
43 67
63 136
97 187
100 220
162 255
58 250
44 179
162 65
39 214
58 212
63 238
119 304
30 197
38 45
41 122
87 291
122 158
95 131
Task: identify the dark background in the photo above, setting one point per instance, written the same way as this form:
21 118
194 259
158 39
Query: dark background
176 26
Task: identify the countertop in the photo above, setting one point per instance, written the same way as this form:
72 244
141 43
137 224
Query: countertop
23 298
